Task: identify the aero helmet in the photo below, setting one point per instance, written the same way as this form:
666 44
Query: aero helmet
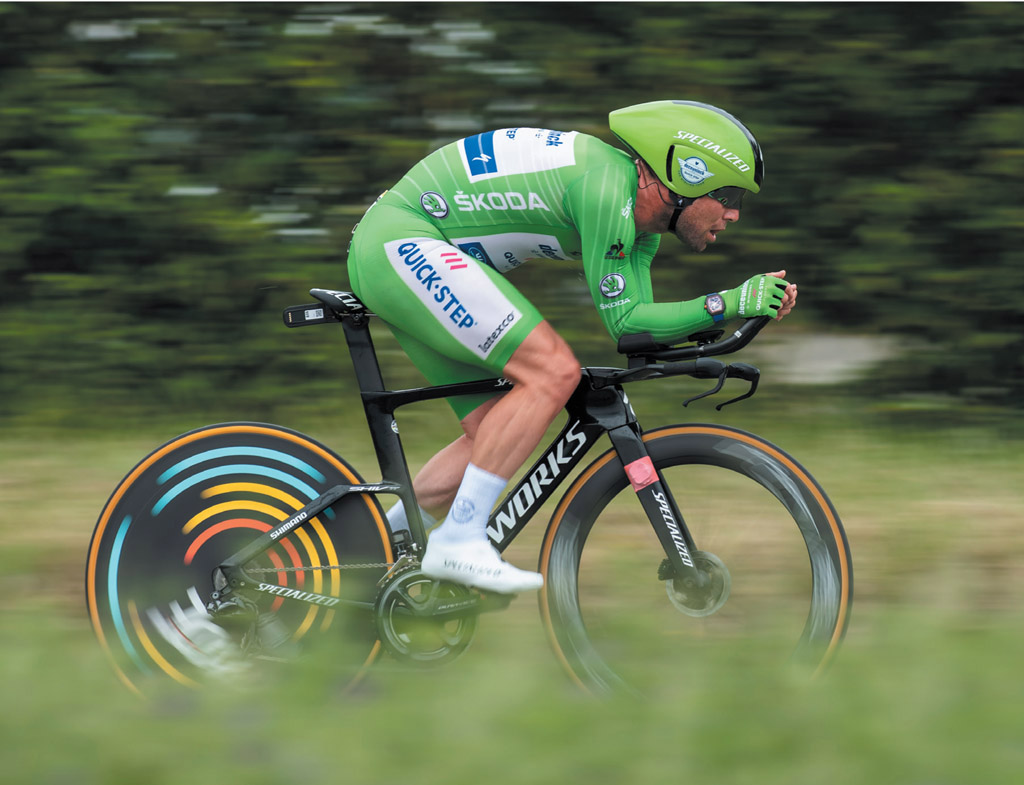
693 148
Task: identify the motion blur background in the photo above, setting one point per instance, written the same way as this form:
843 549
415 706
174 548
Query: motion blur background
173 174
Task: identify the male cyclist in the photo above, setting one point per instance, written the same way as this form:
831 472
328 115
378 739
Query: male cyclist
430 257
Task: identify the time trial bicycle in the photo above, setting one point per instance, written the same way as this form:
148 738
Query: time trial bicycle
242 542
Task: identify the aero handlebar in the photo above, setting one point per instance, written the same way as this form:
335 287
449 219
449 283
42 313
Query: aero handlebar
642 349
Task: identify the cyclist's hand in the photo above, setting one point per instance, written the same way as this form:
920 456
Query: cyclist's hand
761 295
789 299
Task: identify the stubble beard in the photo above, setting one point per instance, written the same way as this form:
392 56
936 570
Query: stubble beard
690 236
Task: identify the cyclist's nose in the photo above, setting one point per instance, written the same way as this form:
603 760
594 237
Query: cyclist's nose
731 215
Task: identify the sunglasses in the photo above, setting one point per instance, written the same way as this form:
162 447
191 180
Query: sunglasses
729 195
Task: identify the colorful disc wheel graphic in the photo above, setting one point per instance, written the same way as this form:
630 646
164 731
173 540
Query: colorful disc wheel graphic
198 500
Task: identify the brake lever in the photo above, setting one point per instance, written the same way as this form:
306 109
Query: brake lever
721 380
747 373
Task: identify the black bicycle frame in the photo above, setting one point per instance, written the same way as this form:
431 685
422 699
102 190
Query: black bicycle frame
595 408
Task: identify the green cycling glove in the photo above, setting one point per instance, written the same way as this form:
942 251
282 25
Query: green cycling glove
760 295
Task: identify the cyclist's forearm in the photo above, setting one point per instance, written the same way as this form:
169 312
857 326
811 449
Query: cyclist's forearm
666 322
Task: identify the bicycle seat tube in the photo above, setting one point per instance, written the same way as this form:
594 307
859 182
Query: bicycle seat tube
379 405
379 413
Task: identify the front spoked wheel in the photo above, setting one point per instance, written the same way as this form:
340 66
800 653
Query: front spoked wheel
772 548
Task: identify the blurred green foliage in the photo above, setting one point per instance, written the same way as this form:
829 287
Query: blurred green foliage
173 174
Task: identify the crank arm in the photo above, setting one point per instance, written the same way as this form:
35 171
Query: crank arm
444 610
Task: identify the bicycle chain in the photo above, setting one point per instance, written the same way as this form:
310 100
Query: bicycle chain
367 566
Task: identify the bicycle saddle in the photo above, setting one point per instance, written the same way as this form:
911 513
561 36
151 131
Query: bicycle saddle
340 302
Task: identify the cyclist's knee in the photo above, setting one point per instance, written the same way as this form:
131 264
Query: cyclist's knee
545 361
564 376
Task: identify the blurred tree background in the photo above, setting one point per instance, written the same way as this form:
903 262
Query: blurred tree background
173 174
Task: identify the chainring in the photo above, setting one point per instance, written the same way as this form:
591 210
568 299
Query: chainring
408 624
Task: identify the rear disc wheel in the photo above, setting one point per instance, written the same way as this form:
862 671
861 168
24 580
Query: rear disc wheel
196 501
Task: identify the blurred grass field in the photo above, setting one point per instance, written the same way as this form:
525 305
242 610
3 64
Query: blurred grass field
927 689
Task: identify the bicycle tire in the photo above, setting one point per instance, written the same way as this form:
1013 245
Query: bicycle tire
689 459
191 504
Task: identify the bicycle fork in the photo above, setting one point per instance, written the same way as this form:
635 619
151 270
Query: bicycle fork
659 505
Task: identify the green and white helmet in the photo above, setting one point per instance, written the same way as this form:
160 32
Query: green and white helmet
693 148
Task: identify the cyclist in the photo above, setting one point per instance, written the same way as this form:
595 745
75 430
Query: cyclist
430 257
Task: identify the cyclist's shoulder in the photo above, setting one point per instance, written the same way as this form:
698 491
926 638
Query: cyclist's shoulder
604 180
520 150
599 152
566 171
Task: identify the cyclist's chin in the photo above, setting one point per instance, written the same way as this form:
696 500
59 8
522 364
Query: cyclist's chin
696 238
697 244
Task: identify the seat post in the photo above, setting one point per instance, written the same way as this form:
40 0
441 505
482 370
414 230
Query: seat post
364 356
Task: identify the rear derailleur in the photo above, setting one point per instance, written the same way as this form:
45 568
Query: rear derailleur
259 633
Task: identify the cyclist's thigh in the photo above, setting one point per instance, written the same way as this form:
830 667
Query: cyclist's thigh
439 369
455 313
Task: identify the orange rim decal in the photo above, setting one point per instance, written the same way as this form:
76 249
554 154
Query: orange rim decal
545 557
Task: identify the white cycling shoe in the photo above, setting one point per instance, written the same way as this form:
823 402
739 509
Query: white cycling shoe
478 564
